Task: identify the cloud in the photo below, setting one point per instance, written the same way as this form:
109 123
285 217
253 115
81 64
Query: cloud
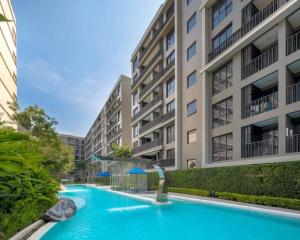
86 93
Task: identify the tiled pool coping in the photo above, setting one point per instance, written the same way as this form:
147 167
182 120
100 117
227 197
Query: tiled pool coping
151 199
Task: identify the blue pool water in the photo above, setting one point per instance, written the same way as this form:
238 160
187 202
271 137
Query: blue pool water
104 215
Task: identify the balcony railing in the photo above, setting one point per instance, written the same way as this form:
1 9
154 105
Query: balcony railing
142 72
112 125
155 79
149 105
154 35
261 148
167 162
293 143
293 43
113 110
157 120
261 105
113 135
260 62
247 27
148 145
293 93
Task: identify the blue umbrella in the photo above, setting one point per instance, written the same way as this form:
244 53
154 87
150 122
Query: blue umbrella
104 174
136 171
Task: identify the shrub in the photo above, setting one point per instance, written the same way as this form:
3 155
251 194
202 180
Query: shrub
102 181
261 200
276 179
190 191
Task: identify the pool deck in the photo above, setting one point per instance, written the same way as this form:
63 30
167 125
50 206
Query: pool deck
150 197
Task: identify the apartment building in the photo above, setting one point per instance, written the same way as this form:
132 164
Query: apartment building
77 143
8 61
216 83
112 125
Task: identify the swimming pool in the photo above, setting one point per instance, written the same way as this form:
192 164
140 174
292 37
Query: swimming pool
106 215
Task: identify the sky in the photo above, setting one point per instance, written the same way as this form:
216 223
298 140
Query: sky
72 52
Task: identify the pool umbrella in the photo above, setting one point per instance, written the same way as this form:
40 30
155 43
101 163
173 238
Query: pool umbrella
136 171
104 174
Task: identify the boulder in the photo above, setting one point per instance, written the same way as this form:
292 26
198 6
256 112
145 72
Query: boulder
63 210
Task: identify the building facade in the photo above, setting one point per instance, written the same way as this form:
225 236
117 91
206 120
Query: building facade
112 126
8 61
216 83
77 143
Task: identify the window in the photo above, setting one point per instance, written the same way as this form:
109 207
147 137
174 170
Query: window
135 131
191 79
222 37
171 153
222 148
171 106
191 51
191 136
171 57
170 39
191 108
220 10
188 2
135 64
222 78
135 144
135 111
170 87
170 134
191 23
222 113
135 98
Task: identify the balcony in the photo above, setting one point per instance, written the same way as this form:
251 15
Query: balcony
293 43
113 135
146 69
261 148
167 162
155 79
293 143
261 105
146 146
148 106
293 93
154 36
160 119
260 62
112 125
258 18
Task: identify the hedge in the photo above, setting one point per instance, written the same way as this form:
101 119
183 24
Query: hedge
261 200
274 180
102 181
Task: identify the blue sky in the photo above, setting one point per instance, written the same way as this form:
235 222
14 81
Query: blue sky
71 53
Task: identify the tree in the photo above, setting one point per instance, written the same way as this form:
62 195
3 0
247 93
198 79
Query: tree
120 152
59 158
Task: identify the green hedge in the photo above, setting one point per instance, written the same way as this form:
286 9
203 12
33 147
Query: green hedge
261 200
103 181
275 180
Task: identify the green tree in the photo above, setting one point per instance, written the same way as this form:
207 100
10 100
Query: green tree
34 120
121 152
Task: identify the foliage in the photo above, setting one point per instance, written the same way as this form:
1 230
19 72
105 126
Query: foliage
276 179
3 18
103 181
26 188
59 158
190 191
120 152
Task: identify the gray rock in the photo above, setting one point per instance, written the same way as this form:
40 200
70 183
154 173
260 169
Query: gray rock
62 211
